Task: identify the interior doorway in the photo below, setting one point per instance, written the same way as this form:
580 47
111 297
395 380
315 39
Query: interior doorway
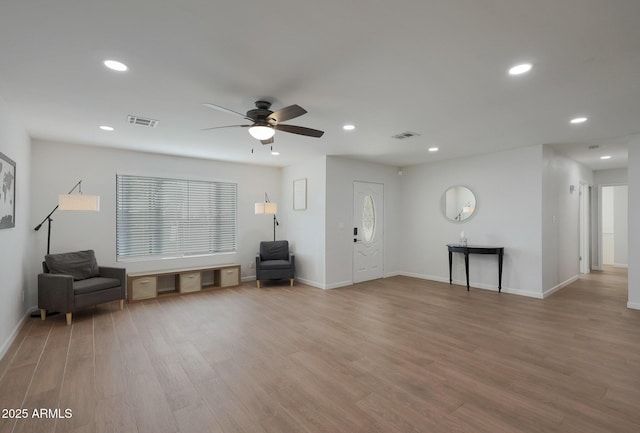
614 235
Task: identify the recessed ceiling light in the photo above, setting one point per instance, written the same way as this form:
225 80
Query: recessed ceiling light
520 69
115 65
106 128
606 157
349 127
433 149
273 152
578 120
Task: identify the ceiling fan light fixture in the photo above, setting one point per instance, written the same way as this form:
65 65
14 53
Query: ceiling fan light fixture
261 132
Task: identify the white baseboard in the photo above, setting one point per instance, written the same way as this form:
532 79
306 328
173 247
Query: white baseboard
311 283
475 285
304 281
559 286
620 265
338 285
633 305
5 346
424 277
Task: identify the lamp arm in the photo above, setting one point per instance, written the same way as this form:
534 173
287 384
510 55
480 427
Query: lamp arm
79 184
46 218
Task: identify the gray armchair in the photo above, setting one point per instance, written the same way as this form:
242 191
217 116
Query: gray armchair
275 262
71 281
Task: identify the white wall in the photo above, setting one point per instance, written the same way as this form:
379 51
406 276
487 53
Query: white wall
57 167
507 186
606 221
614 176
305 229
340 175
634 223
620 226
14 242
561 219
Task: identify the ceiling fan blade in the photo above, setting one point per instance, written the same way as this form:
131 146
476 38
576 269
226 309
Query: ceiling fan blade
267 141
226 126
301 130
287 113
226 110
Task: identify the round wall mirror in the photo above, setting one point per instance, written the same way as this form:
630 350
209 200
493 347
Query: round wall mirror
459 203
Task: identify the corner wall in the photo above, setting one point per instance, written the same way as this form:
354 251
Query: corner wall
340 175
561 219
58 166
305 229
14 242
634 223
507 186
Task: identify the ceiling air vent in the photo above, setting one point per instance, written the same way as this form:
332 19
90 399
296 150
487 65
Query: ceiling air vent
141 121
404 135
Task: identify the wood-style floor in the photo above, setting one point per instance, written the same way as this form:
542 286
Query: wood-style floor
395 355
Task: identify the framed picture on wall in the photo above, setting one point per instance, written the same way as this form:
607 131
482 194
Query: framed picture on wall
300 194
8 192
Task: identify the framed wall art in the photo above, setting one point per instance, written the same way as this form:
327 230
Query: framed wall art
300 194
8 192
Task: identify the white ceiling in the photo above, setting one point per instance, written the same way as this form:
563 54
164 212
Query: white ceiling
437 68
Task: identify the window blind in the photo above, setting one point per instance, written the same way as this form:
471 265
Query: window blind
174 217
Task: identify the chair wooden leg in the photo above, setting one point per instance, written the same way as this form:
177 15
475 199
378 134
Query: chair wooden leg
291 280
68 318
121 304
258 283
43 313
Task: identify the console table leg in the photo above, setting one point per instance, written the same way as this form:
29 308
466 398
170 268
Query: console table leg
500 272
466 268
450 264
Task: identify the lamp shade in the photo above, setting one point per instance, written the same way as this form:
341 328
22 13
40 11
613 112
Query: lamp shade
81 202
261 132
266 208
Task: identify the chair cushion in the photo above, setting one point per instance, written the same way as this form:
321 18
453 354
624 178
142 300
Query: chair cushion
276 250
266 265
79 264
96 284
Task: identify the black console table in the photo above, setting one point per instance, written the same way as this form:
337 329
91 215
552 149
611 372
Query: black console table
475 249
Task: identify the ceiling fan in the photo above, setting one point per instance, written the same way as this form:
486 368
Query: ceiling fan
266 122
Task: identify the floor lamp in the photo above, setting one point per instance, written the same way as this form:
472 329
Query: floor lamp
270 209
70 201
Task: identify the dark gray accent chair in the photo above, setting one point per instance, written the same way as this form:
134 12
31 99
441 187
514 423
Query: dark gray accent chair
275 262
71 281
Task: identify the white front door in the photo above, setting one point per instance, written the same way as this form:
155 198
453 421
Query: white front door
368 247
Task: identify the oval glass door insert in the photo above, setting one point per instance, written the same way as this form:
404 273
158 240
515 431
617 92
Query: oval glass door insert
368 218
